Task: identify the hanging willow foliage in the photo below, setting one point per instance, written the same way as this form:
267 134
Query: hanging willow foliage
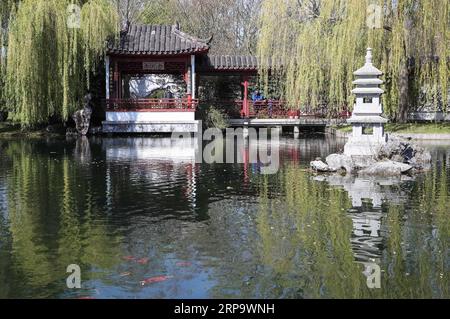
320 43
49 63
7 9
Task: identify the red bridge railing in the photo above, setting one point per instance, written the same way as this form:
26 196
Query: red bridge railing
266 109
149 105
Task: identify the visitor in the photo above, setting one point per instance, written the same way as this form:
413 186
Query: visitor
257 99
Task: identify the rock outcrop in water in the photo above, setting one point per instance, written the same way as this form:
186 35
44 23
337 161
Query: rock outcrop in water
395 158
82 117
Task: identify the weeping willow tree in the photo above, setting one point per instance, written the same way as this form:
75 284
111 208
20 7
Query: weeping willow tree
320 43
53 48
6 9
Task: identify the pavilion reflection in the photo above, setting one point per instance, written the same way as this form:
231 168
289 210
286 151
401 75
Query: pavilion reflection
162 162
176 151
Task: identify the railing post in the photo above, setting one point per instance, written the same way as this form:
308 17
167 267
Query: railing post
189 101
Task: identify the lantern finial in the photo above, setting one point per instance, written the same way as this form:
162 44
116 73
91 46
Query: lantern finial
369 56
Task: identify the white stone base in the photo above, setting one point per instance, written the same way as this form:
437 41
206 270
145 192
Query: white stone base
167 121
153 116
363 146
152 127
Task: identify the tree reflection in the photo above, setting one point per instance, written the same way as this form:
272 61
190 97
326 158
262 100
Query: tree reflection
51 224
288 235
325 238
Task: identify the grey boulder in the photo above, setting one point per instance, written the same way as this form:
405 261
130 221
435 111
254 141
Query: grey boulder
386 168
337 162
320 166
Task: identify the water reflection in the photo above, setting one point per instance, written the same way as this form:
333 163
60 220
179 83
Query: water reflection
369 233
218 230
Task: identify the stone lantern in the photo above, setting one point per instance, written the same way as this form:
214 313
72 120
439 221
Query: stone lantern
367 120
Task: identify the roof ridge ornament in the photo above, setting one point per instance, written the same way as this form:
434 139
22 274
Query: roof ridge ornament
207 40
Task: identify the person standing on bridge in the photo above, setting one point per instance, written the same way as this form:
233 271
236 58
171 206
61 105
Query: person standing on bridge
257 99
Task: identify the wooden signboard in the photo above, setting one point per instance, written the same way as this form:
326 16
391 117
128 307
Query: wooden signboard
153 66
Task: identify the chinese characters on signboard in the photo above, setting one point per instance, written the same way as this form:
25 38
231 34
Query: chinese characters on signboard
153 66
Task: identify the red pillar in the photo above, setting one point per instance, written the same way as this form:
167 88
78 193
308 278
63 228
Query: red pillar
187 80
245 107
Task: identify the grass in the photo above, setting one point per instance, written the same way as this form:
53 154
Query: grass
9 129
419 128
411 128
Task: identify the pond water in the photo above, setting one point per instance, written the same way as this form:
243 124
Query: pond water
128 210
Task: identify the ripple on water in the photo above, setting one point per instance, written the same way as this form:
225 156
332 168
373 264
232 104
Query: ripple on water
220 230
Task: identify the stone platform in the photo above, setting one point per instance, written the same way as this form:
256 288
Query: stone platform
152 127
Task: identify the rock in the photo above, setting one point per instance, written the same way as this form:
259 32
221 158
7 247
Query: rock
395 146
82 120
408 153
320 166
398 158
361 162
337 162
386 168
421 160
404 151
82 117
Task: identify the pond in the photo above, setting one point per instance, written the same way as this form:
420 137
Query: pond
142 220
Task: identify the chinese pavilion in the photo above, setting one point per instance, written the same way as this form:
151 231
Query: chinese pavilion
152 76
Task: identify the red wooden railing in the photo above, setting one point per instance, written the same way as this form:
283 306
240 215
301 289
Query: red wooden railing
260 109
256 109
149 105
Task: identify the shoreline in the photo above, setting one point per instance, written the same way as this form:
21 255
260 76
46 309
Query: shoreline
412 136
8 130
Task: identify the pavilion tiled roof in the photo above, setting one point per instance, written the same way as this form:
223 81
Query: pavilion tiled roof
157 40
229 63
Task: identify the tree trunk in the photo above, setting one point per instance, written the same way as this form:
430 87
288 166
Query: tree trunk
404 75
403 107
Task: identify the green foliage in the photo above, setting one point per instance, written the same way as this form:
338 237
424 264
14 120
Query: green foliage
159 12
49 64
409 128
7 8
320 44
213 117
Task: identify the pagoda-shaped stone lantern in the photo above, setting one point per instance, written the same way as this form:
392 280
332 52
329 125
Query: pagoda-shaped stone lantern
367 121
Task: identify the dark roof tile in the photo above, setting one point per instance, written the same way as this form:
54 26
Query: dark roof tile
157 40
228 63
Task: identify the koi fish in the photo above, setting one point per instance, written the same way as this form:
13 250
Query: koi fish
125 274
184 264
155 280
143 261
129 258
